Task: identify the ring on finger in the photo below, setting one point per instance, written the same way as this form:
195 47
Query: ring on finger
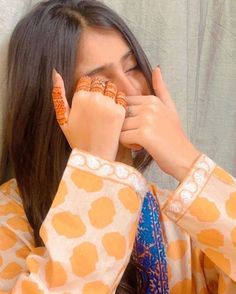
129 112
98 85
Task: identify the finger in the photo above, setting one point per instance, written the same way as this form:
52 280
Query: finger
110 90
136 100
160 88
130 123
129 139
98 85
60 103
121 99
84 84
134 110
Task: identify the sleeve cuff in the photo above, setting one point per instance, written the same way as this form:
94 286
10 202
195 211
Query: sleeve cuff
115 171
190 188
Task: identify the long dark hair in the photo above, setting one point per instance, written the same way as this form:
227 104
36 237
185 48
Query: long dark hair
34 148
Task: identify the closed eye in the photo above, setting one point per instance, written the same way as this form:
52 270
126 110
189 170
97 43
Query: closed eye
132 68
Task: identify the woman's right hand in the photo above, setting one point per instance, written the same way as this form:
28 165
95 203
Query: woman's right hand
94 121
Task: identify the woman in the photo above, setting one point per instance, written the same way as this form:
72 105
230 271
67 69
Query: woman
69 219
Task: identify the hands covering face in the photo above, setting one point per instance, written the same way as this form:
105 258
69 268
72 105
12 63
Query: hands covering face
96 123
95 119
155 125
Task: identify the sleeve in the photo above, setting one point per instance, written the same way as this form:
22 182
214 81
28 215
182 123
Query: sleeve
204 205
88 232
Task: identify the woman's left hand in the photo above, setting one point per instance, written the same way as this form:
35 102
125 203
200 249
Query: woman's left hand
154 124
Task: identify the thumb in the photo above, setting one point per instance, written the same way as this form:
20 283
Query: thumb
60 103
160 88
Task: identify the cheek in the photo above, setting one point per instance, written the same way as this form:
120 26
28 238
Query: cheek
143 84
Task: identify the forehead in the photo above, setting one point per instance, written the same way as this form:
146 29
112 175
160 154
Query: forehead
98 47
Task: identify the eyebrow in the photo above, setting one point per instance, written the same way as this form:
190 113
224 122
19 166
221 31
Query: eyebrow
103 67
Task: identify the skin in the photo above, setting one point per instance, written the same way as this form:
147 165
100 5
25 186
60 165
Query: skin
155 124
116 65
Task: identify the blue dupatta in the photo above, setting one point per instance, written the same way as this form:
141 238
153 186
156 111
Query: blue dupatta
149 250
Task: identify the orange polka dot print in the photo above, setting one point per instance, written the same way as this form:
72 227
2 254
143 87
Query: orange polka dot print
84 259
129 199
68 224
102 212
10 271
7 238
177 249
61 194
55 274
114 244
216 241
223 175
219 259
231 206
204 210
96 288
30 287
87 181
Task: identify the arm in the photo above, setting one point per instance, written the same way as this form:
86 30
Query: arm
88 231
204 203
204 206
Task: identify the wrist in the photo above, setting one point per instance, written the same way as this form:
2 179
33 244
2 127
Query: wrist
185 163
109 155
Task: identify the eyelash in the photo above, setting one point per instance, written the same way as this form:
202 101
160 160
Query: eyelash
133 68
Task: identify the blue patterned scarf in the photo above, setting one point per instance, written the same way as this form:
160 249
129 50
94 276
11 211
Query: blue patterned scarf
149 250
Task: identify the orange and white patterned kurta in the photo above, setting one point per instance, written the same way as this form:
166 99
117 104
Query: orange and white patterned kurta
90 228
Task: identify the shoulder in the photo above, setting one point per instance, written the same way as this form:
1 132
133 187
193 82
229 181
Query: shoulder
13 221
10 200
8 187
16 234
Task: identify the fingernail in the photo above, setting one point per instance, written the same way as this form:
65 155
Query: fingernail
159 66
54 76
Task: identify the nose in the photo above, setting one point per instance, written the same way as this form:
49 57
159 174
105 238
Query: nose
125 84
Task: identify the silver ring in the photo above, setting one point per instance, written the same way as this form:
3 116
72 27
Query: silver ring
129 112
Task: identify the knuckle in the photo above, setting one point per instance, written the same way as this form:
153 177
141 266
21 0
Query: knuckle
152 107
147 119
153 99
95 97
80 96
119 111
